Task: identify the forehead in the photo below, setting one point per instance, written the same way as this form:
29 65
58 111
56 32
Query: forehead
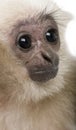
17 10
12 10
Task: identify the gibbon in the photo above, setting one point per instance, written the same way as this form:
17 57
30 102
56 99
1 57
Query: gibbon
37 73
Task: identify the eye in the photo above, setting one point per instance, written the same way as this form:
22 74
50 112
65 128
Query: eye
24 41
52 36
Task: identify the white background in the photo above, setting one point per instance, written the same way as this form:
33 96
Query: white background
70 6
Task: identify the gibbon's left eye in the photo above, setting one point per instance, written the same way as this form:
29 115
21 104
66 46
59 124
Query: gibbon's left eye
52 36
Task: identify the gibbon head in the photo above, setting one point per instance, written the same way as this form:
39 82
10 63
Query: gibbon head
34 60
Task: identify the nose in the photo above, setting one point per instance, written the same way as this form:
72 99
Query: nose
51 58
46 57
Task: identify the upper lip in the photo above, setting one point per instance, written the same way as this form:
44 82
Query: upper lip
41 70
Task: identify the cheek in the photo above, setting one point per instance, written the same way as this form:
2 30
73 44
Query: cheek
23 56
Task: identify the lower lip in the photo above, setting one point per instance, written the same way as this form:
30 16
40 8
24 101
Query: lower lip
44 75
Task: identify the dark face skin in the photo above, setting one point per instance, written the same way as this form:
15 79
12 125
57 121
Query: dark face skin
36 44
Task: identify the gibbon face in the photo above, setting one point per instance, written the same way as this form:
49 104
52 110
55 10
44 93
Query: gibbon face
36 43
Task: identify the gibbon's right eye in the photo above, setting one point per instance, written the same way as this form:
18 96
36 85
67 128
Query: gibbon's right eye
24 41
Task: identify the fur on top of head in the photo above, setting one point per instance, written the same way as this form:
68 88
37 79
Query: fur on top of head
24 8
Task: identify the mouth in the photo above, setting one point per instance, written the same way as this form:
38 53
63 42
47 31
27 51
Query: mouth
43 74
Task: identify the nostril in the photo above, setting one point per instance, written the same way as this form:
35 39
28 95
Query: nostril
47 58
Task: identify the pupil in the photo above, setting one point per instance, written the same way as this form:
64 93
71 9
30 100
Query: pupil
25 41
51 35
